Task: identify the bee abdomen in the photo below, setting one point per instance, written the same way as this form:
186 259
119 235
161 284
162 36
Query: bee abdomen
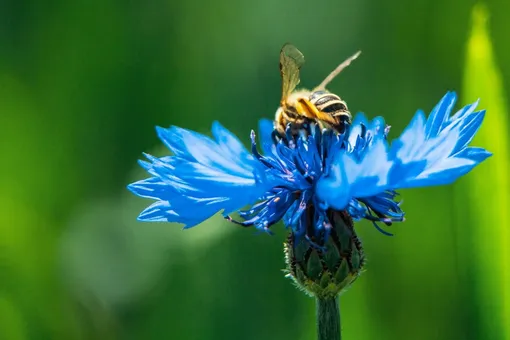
330 103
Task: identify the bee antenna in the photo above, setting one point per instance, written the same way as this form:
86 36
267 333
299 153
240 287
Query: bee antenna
336 71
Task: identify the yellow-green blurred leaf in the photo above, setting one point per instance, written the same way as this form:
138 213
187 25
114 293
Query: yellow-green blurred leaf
487 188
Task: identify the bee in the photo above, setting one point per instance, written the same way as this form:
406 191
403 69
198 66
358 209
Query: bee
301 107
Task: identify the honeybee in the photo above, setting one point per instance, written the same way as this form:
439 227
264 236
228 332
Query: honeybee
300 107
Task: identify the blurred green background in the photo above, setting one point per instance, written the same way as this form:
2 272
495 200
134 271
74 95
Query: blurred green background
84 82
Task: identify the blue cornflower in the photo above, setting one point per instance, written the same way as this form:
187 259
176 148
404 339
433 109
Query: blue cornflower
317 172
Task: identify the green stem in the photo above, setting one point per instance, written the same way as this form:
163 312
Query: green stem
328 319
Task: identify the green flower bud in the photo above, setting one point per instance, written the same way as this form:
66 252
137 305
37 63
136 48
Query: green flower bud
328 268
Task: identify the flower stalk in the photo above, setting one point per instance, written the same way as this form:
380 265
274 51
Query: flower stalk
328 319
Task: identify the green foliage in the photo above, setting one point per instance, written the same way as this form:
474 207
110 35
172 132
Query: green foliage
487 191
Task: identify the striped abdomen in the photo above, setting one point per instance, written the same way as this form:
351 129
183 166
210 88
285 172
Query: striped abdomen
331 104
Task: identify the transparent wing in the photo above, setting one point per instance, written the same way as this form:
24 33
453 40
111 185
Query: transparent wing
291 60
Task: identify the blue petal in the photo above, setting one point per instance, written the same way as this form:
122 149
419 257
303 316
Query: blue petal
377 127
349 178
447 175
440 114
272 211
466 110
157 212
295 211
266 128
437 156
428 156
149 188
409 143
470 126
443 173
334 189
369 176
475 154
356 127
203 178
400 173
196 147
230 145
173 140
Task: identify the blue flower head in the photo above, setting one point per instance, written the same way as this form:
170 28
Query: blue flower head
302 180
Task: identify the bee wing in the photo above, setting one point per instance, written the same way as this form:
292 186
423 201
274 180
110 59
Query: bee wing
291 60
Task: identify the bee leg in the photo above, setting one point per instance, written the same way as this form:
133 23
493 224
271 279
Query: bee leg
307 109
